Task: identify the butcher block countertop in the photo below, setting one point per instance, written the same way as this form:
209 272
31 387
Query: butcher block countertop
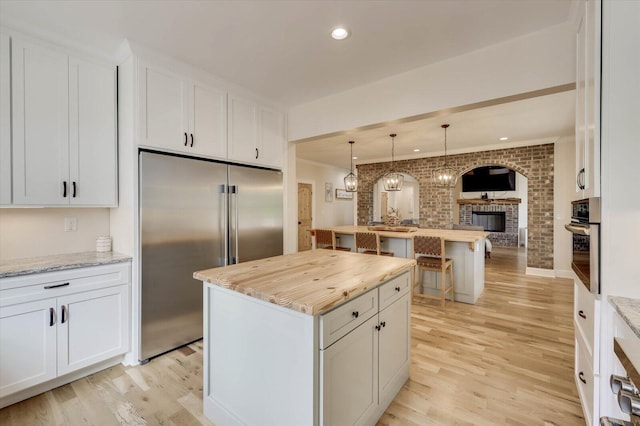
447 234
311 282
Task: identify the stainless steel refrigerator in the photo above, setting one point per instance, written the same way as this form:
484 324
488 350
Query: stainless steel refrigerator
197 214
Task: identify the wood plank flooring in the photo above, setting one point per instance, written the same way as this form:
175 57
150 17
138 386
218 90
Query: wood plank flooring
508 360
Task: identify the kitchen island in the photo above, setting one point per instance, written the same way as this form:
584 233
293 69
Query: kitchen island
466 248
311 338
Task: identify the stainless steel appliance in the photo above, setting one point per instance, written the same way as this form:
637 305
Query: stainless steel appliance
585 229
197 214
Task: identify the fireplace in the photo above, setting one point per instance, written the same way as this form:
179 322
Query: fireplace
491 221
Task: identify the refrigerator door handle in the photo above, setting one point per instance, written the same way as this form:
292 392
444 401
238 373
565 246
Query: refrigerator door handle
224 221
234 192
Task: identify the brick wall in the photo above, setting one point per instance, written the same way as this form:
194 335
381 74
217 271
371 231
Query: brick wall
436 204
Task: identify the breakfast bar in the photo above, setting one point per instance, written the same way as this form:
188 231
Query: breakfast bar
465 247
320 337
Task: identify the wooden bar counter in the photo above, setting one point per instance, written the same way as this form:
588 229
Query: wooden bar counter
312 338
466 248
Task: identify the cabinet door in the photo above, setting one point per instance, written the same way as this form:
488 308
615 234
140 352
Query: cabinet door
243 130
272 140
581 131
40 83
349 372
394 348
93 327
5 121
27 345
208 118
592 99
164 116
92 138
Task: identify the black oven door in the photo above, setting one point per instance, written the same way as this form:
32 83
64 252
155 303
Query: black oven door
585 256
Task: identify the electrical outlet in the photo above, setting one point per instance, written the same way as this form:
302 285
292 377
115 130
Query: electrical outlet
70 224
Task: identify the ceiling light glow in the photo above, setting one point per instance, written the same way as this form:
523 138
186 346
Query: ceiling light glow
416 150
504 138
339 33
354 158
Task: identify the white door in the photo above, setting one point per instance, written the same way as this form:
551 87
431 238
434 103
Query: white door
40 82
243 130
393 344
92 327
92 138
208 116
164 116
5 121
349 377
27 345
272 140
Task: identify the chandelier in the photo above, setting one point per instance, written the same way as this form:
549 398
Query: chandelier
351 180
393 180
444 176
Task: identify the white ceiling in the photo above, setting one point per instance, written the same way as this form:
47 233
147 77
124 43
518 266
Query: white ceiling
282 50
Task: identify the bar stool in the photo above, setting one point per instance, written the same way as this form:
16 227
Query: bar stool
370 243
326 238
431 257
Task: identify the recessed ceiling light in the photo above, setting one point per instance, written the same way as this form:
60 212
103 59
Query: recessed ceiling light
416 150
355 158
339 33
504 138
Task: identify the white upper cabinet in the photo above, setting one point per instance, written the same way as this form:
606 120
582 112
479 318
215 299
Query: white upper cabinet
64 129
181 115
40 83
588 59
256 133
5 120
92 138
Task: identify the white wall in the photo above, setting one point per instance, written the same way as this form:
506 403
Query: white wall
40 232
335 213
563 193
532 62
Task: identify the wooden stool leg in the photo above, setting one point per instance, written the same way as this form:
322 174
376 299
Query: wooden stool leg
451 281
443 287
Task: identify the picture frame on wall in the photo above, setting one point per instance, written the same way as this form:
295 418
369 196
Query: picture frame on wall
328 192
343 194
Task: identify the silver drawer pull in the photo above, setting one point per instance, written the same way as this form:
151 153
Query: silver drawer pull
56 285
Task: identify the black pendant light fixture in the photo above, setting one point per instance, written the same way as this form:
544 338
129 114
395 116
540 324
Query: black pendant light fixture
351 180
393 180
444 176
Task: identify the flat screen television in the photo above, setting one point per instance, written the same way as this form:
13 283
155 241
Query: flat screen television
489 178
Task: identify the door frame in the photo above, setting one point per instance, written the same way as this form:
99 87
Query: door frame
313 205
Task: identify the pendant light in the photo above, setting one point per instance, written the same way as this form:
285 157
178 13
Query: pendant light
444 176
393 180
351 180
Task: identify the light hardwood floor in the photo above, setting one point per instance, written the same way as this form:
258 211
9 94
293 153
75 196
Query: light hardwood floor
505 361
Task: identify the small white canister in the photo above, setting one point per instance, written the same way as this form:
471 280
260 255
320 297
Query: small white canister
103 244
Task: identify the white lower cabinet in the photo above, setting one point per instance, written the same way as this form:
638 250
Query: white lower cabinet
363 371
53 324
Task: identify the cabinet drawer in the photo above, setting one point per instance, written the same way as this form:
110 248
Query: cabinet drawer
585 315
585 380
345 318
28 288
394 289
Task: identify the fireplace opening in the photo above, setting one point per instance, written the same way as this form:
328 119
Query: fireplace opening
490 221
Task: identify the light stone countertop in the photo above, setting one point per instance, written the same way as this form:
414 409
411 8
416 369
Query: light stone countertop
59 262
311 282
629 310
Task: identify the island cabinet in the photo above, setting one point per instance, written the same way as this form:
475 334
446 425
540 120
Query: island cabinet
311 338
363 371
57 323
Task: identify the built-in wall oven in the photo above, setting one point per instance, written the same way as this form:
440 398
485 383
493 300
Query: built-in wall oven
585 230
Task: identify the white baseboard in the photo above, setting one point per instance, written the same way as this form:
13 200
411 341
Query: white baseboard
564 273
540 272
